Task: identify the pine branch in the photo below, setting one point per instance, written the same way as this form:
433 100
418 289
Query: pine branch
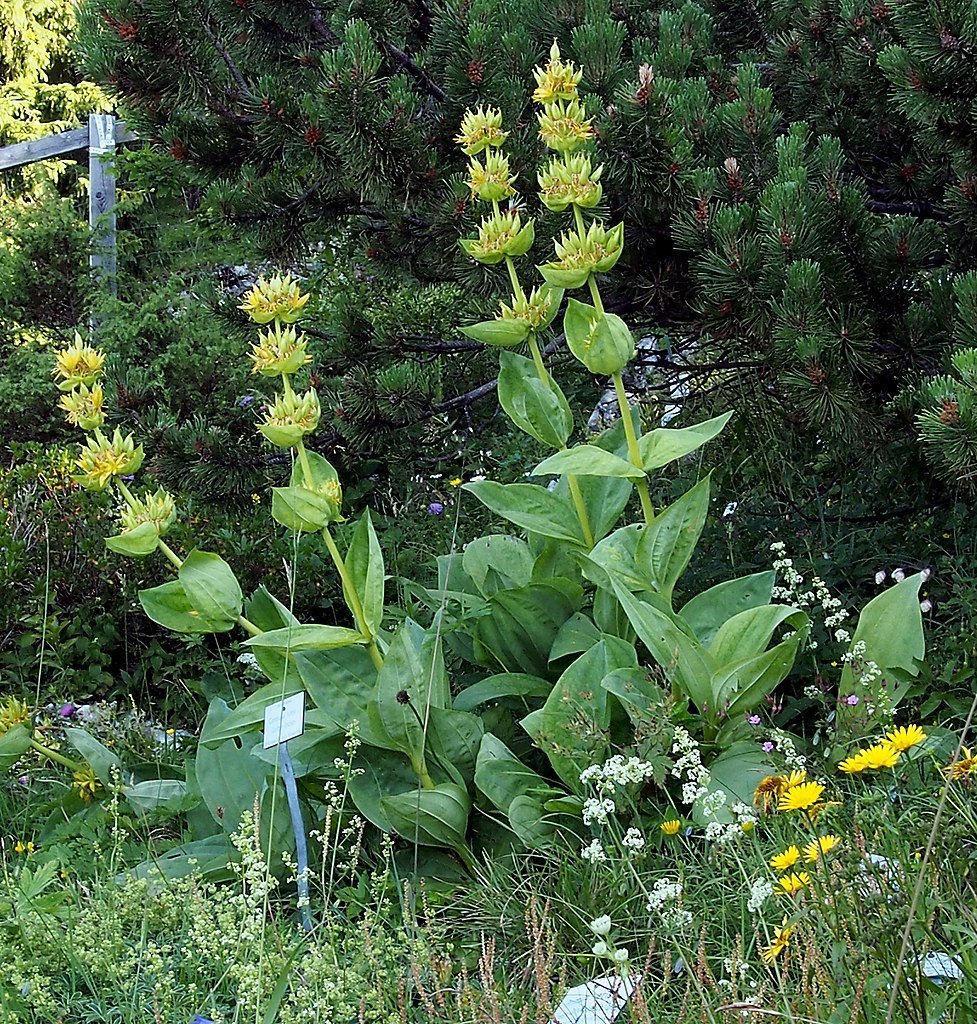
228 60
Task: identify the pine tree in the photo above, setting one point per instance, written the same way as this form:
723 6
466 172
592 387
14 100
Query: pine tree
798 177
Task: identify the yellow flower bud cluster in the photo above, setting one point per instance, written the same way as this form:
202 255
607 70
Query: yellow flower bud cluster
277 299
290 417
570 181
279 350
481 129
78 370
499 236
102 459
536 310
578 255
558 80
492 181
564 125
157 509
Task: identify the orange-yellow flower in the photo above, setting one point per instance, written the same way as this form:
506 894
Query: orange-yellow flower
671 826
964 767
800 798
786 860
780 942
793 883
905 736
820 846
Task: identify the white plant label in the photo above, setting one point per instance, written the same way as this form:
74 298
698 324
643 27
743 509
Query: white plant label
284 720
597 1002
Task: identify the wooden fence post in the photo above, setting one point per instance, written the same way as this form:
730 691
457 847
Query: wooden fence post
101 196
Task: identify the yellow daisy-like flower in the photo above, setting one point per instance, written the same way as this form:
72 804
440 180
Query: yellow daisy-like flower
856 763
786 860
671 827
800 798
455 483
793 883
796 778
86 782
769 791
905 736
780 942
26 848
882 755
964 767
820 846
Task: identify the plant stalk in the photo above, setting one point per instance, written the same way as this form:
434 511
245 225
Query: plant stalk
353 598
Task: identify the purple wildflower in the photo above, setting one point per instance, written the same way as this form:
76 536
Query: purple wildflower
435 508
851 700
246 401
768 746
67 710
754 719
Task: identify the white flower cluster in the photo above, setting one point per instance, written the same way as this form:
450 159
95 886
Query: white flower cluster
633 840
596 810
817 594
617 771
795 762
688 767
663 892
665 900
760 891
721 834
594 853
869 676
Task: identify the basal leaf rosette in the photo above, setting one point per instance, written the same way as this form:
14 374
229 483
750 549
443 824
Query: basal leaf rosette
102 460
279 298
78 364
144 520
290 417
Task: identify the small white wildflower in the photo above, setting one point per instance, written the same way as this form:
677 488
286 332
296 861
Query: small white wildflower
621 955
926 605
600 925
899 575
594 852
600 949
633 839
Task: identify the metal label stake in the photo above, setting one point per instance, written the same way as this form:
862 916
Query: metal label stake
285 720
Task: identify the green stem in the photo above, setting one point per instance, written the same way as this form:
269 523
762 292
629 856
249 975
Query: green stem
635 453
126 493
572 482
75 766
514 278
175 559
595 294
352 597
305 464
